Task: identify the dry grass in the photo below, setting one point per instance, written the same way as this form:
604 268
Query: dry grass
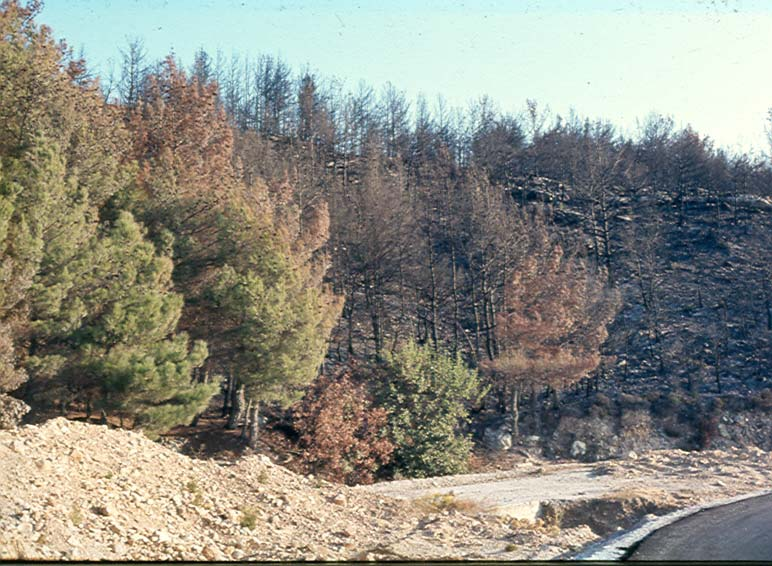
629 494
440 502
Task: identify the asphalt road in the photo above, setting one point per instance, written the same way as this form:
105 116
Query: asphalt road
739 531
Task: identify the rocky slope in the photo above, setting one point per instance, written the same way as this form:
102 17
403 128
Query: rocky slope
73 491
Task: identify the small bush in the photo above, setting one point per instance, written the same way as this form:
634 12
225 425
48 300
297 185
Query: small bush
248 518
674 428
76 516
552 514
601 406
193 488
707 424
670 405
427 394
707 429
633 402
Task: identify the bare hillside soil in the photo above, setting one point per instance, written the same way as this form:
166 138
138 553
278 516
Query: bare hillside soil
76 491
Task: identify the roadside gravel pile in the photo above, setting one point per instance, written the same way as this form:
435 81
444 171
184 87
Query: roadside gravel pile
75 491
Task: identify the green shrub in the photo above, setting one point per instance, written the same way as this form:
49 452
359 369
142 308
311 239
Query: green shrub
426 394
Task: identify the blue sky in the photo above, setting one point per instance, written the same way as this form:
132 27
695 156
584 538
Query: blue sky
704 62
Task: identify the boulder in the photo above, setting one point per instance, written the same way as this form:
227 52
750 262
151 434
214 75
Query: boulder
578 449
497 439
12 410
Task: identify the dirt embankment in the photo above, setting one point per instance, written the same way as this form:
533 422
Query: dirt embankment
74 491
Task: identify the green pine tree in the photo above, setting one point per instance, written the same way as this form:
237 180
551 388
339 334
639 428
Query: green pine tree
427 393
104 324
278 324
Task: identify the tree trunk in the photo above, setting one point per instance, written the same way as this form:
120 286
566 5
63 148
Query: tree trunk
349 315
227 397
245 422
494 339
515 412
237 409
486 317
454 288
433 298
254 425
769 313
606 236
536 410
476 311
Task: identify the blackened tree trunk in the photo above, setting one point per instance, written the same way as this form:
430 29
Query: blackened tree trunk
227 398
515 412
536 410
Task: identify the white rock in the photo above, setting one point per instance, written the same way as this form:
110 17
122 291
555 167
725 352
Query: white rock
497 439
339 499
578 448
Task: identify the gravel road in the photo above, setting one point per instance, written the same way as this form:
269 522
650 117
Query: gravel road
516 493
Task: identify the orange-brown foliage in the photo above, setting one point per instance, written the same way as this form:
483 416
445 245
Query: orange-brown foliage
554 318
341 432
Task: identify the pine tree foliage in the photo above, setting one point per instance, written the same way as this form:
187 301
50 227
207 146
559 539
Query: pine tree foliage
109 317
427 394
249 261
279 326
554 319
86 305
